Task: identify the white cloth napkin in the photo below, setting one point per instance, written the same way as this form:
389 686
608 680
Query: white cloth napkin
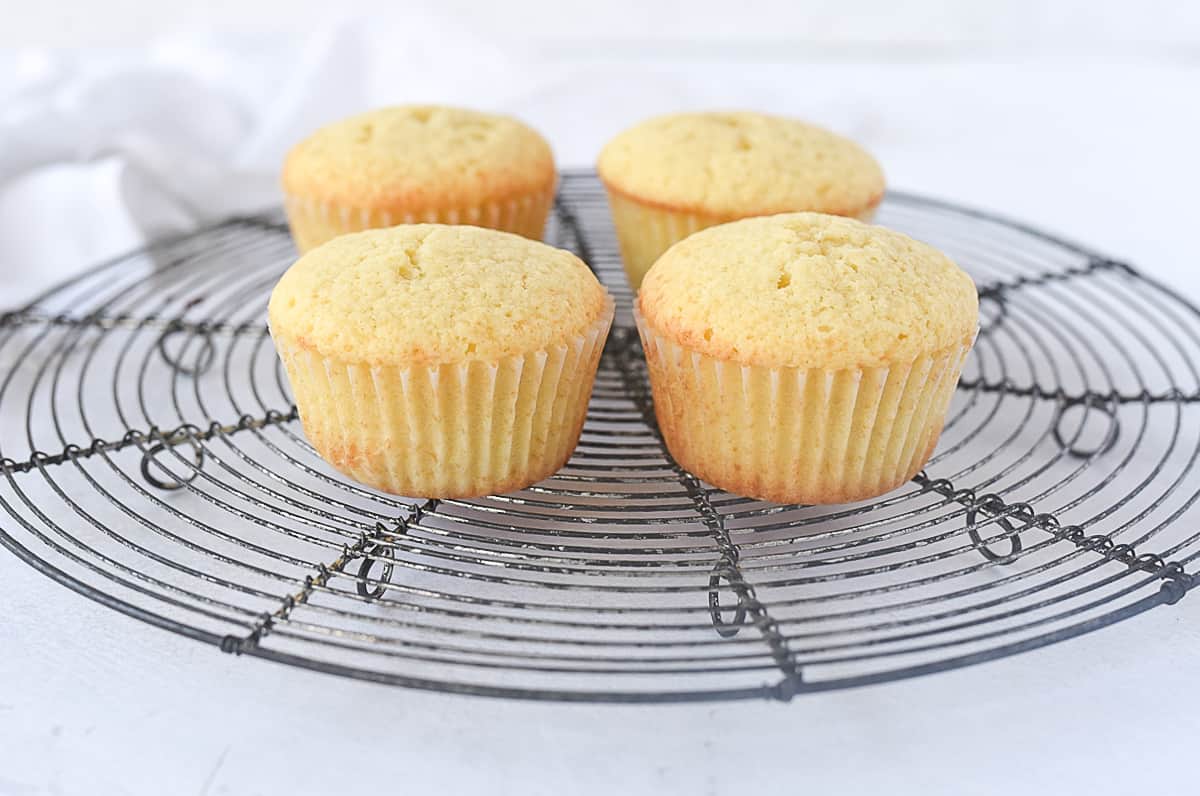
196 125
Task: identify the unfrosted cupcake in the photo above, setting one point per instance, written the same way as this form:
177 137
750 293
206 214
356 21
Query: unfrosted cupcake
804 358
672 175
441 361
418 163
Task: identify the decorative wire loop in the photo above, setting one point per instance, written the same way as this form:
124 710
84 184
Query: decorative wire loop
150 461
1015 545
205 356
371 555
992 319
1151 562
1110 437
724 629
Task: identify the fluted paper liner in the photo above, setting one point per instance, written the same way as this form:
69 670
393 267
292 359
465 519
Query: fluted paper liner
314 222
459 430
799 435
645 231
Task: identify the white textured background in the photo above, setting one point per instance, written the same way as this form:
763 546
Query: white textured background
1081 117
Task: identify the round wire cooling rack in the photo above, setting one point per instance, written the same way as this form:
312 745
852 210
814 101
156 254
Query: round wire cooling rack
152 461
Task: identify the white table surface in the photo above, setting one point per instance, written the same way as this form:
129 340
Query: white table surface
94 702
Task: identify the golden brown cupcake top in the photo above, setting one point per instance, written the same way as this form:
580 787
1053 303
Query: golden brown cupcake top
420 156
734 165
809 290
426 294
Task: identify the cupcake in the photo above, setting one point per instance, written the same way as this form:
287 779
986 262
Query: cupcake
804 358
672 175
441 361
418 163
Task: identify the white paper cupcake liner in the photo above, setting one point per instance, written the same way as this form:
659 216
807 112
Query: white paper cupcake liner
799 435
645 231
314 222
458 430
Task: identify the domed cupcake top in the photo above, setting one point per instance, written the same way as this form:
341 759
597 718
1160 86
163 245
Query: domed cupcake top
433 294
734 165
420 155
809 290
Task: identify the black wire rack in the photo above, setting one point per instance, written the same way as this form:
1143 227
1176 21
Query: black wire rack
152 461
